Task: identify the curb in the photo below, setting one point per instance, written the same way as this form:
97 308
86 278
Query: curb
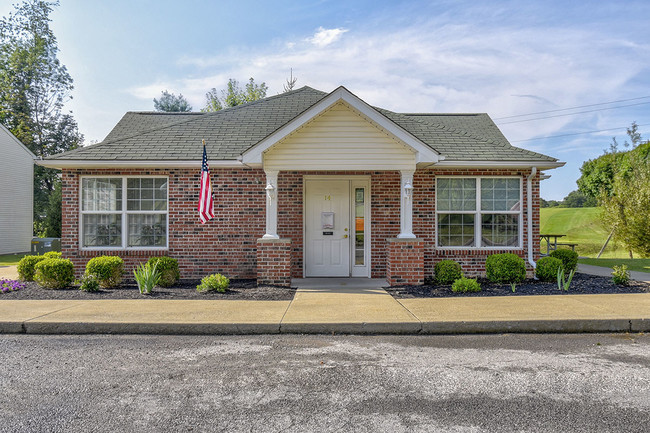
400 328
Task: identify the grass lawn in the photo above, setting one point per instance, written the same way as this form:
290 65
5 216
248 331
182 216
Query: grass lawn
10 259
581 226
639 265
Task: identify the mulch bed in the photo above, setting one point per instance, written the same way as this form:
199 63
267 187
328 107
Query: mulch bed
582 284
184 289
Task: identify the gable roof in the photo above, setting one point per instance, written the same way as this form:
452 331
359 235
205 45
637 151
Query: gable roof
236 133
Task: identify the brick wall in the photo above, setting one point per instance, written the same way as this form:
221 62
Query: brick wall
228 243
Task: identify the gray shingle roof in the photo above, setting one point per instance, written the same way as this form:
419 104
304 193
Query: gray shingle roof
147 136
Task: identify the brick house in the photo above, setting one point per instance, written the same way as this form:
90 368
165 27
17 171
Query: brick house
305 184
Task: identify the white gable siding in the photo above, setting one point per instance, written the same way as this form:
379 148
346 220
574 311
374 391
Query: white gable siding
339 139
16 195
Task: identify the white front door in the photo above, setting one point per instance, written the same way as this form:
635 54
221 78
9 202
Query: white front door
336 221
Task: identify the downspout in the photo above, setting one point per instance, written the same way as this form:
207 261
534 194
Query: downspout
529 186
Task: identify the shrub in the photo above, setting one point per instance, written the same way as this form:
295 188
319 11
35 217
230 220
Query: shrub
447 271
505 268
167 268
547 268
107 269
213 283
620 275
147 276
569 259
26 267
53 255
465 285
89 283
54 273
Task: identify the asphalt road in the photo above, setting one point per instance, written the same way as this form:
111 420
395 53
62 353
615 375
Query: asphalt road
509 383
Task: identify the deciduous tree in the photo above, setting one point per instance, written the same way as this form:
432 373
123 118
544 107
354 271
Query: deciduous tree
234 95
34 86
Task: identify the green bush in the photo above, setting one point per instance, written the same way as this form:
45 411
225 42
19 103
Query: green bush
447 271
464 285
26 265
54 273
147 276
53 255
620 275
89 283
213 283
107 269
547 268
505 268
569 259
167 268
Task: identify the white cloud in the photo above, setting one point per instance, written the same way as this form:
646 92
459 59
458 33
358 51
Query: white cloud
324 37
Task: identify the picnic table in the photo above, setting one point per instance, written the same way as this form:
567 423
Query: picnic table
552 243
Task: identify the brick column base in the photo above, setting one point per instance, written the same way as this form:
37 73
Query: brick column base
274 262
405 262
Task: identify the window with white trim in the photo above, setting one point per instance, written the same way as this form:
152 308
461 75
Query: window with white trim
478 212
124 212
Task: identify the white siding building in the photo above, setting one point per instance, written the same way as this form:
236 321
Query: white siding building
16 194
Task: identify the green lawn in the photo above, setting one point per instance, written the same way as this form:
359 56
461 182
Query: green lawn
10 259
639 265
581 226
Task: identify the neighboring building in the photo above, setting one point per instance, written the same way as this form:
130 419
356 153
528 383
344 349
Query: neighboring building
16 194
306 184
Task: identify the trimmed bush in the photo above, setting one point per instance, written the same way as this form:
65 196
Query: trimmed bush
89 283
447 271
53 255
26 265
464 285
107 269
167 267
505 268
547 268
54 273
569 259
213 283
620 275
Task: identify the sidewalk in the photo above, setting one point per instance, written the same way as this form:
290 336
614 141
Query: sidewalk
354 311
331 306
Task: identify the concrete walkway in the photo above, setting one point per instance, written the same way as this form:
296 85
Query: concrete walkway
607 272
357 306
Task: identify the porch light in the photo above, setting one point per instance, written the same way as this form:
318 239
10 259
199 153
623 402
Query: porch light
408 189
270 191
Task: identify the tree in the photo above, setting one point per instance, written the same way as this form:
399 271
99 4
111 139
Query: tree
598 174
234 95
291 82
626 208
578 199
34 86
171 103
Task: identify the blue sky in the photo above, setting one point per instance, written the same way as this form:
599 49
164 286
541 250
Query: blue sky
506 58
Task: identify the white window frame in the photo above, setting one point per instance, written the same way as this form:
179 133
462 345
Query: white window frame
478 212
123 213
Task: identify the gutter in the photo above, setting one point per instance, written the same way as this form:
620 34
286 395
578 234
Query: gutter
115 164
529 186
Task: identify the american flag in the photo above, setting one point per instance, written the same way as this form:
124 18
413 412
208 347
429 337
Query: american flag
206 205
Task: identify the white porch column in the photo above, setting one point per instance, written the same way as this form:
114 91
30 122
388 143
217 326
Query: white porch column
406 208
271 205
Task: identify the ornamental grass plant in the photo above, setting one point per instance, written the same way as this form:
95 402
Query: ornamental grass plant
147 276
